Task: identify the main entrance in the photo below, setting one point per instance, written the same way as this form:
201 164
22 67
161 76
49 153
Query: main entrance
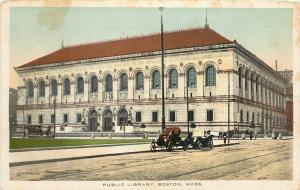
93 120
107 120
122 116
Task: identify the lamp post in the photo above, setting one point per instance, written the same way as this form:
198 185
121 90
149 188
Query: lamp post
228 130
187 104
54 107
163 123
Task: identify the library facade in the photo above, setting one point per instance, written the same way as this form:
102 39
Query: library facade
101 86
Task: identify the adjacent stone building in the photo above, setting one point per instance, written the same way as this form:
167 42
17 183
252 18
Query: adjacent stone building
288 74
99 85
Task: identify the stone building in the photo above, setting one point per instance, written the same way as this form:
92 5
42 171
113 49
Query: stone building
99 85
288 74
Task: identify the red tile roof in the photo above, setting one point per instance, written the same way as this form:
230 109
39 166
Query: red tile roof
172 40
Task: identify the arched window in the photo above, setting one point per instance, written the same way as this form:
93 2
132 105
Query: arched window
240 77
139 81
53 87
67 86
94 84
30 89
80 85
156 80
210 76
123 82
42 88
108 83
246 80
251 82
256 84
173 80
191 77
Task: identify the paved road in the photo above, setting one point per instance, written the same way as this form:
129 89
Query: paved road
260 159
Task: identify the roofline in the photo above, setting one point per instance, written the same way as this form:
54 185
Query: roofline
233 44
128 56
256 59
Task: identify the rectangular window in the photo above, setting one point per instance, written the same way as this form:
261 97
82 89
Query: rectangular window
191 115
247 117
28 119
138 116
155 116
40 119
78 118
241 116
65 118
209 115
172 116
52 118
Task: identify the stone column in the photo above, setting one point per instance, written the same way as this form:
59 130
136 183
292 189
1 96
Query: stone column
47 93
72 91
59 92
115 89
147 87
131 88
100 90
86 91
35 94
181 85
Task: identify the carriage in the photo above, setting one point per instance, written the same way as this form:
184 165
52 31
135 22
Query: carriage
169 139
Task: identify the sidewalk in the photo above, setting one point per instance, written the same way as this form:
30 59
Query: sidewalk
38 156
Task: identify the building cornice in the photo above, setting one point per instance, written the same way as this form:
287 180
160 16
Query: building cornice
253 57
128 57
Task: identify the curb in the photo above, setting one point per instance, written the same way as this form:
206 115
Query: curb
92 156
72 147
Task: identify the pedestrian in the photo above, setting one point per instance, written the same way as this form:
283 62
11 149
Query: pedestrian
224 137
252 127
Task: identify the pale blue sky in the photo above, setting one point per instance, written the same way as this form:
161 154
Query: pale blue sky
34 32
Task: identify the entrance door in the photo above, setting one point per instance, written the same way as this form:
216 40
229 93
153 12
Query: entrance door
107 120
122 116
93 124
107 124
93 121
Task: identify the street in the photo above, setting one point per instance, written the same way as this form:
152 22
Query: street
250 160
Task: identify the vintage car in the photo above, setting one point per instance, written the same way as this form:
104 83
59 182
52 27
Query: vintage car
200 139
169 139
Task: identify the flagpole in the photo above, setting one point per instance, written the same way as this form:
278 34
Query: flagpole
163 123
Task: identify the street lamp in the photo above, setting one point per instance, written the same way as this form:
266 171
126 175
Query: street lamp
163 123
54 107
187 104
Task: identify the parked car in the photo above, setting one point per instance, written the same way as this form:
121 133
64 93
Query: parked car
169 139
200 139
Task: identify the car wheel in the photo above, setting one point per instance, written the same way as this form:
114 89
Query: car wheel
200 145
152 147
170 146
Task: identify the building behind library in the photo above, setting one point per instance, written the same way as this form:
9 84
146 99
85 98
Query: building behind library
99 86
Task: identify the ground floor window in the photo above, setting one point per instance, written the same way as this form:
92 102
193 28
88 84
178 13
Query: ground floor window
52 118
241 116
172 116
40 119
154 116
247 117
66 118
78 118
209 115
138 116
191 115
28 119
